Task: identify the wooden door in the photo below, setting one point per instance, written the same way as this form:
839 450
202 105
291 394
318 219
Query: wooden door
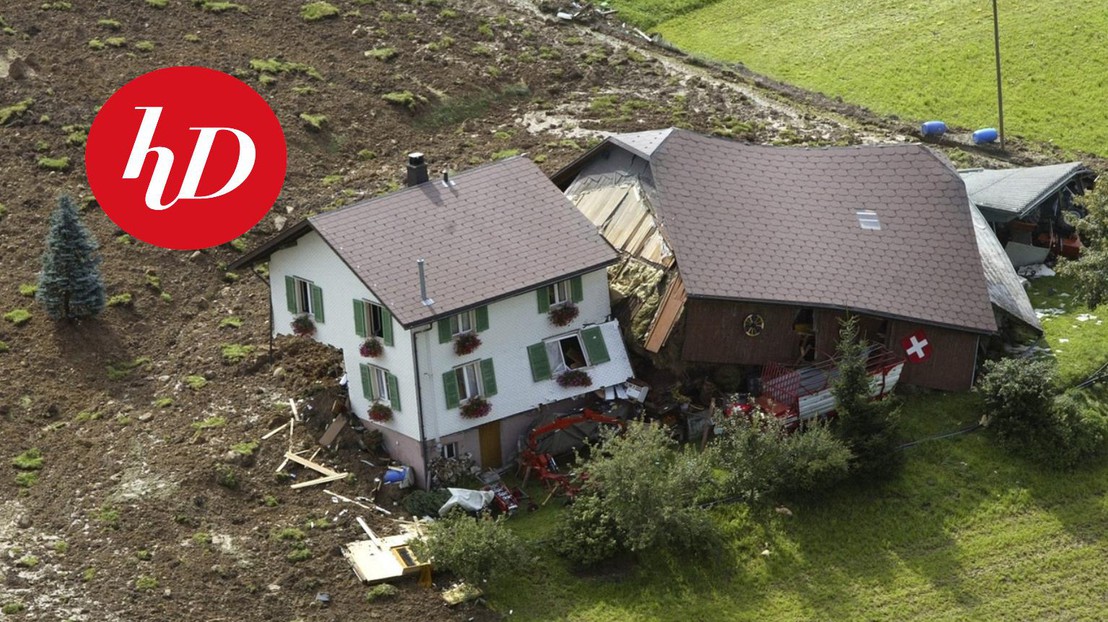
490 445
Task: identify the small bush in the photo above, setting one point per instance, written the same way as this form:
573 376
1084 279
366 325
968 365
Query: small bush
213 6
19 317
315 11
109 517
234 353
96 44
111 24
146 582
4 347
157 4
426 503
245 448
227 477
27 561
299 554
270 501
26 479
381 54
10 113
406 99
587 534
163 402
144 555
383 590
30 460
121 300
28 290
12 608
60 547
475 550
315 122
202 538
1018 393
145 46
289 534
196 382
505 154
214 421
54 164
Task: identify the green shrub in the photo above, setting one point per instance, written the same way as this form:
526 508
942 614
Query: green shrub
96 44
109 517
426 503
157 4
215 421
275 66
380 591
245 448
18 317
26 479
196 382
315 11
28 289
27 561
10 113
381 54
289 534
144 46
233 321
212 6
406 99
13 607
146 582
299 554
234 353
475 550
121 300
54 164
111 24
227 476
4 347
1018 392
587 534
60 547
30 460
163 402
315 122
505 154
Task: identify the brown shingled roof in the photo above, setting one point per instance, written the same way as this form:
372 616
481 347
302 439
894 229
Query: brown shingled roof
780 225
500 229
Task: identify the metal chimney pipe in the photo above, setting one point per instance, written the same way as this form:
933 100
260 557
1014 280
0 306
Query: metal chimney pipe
423 285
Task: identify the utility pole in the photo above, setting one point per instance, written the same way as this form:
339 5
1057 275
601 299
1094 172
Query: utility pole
999 91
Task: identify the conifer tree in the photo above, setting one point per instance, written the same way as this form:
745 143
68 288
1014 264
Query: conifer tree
869 428
70 285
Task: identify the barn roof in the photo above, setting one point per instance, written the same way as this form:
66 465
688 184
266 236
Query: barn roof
880 229
497 230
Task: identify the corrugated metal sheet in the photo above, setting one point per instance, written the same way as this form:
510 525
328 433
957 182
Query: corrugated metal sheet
1005 287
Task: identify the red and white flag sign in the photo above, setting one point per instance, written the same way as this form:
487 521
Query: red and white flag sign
917 347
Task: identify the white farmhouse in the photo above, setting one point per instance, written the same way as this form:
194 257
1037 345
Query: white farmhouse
495 256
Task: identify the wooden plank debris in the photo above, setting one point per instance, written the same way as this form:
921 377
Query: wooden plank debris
333 431
321 480
308 463
274 431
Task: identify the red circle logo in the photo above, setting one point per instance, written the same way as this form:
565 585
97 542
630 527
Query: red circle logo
186 157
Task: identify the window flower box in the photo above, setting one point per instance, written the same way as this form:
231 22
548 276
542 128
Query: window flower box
303 325
380 413
475 408
574 378
466 343
371 348
563 314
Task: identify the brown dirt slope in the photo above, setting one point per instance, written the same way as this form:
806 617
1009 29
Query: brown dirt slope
137 413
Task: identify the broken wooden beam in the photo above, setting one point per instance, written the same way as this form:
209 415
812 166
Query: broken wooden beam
274 431
321 480
308 463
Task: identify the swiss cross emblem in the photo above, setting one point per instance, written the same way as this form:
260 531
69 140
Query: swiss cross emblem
917 347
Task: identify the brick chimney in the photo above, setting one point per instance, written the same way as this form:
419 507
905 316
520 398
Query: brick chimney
417 169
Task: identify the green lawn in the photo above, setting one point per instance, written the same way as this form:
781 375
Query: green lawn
968 532
918 60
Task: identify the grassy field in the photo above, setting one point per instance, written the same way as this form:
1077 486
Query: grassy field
968 532
918 60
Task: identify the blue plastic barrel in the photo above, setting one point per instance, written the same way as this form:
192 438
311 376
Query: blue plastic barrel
933 128
985 135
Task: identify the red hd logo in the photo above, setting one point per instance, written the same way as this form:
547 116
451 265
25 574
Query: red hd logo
917 347
186 158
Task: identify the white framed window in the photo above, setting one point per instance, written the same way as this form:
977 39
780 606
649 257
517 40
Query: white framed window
468 377
379 386
867 219
465 322
558 293
566 352
304 297
449 450
374 319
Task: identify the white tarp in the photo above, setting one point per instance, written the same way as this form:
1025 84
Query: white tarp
468 500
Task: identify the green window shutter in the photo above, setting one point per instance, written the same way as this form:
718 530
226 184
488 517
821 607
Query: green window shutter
540 364
576 291
359 318
482 319
290 294
595 346
488 377
386 326
317 304
444 330
450 388
544 300
394 392
367 385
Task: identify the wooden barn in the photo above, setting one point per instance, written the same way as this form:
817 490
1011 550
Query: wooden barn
749 255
